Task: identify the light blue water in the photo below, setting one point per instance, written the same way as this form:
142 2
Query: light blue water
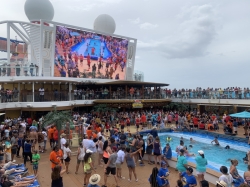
100 49
216 155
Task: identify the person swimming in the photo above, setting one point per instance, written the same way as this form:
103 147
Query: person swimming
227 147
192 140
168 139
215 141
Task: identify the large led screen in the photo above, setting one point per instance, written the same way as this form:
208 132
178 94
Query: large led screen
83 54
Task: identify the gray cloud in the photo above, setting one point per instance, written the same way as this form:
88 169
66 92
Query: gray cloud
196 31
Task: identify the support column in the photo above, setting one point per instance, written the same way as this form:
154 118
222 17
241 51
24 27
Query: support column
33 92
19 92
126 91
70 88
142 92
110 94
8 43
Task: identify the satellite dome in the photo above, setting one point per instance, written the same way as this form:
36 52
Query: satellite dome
39 9
105 23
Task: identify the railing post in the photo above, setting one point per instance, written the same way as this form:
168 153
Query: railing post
33 92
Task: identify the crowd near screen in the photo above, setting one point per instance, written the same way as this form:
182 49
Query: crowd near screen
85 54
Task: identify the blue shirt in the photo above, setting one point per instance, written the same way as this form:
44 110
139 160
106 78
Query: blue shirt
201 163
168 154
163 172
27 147
93 185
190 179
180 163
158 179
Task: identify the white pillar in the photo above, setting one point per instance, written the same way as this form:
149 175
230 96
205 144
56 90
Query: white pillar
70 88
33 92
8 43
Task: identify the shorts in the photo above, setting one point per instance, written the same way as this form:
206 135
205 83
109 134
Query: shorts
51 140
8 157
118 165
137 126
122 127
191 126
67 159
35 166
149 150
92 156
128 124
169 121
110 170
176 122
79 161
200 173
105 160
41 144
88 171
1 158
157 154
13 151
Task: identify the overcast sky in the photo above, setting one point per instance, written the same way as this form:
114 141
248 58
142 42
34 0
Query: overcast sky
204 43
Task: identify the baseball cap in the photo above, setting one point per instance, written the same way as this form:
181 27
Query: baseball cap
114 148
163 163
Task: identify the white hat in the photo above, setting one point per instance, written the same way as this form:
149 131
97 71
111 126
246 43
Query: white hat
222 183
94 179
89 151
201 152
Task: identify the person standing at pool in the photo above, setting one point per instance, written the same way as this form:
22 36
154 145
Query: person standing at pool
238 180
201 163
215 141
157 150
167 153
226 177
179 147
188 178
149 148
181 164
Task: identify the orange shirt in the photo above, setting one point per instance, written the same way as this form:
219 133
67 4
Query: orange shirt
98 129
94 135
54 156
89 133
50 133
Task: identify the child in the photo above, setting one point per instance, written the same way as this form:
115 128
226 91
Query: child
35 158
7 151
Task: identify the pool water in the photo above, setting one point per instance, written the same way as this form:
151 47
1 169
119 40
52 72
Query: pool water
216 155
84 49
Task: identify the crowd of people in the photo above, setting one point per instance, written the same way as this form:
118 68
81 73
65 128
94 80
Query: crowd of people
106 144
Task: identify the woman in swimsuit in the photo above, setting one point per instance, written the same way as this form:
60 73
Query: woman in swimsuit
157 150
238 180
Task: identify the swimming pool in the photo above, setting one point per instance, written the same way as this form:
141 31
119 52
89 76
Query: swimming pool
216 155
85 47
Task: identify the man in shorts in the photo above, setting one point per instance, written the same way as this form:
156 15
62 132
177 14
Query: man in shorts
110 167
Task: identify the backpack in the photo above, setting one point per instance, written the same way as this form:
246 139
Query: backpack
40 137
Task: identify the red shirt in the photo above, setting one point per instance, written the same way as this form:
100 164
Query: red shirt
143 119
137 120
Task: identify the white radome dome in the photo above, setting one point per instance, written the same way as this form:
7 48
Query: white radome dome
105 23
39 9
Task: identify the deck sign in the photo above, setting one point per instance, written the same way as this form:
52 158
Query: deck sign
137 104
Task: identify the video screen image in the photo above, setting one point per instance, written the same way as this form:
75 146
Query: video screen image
83 54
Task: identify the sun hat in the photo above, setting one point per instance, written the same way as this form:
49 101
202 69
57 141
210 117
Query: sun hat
89 151
94 179
201 152
222 183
